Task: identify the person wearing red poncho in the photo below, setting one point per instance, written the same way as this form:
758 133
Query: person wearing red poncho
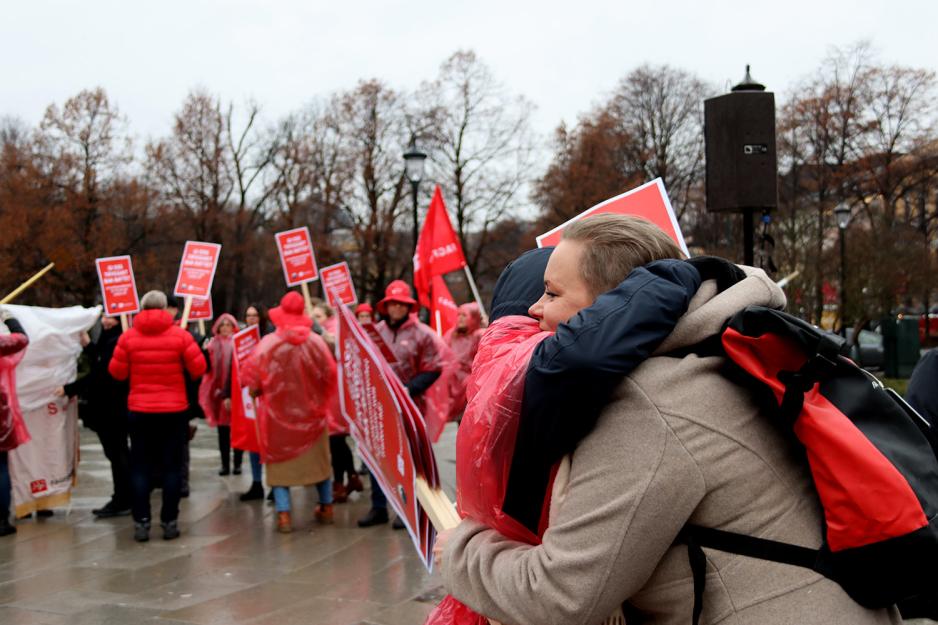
463 339
13 432
418 365
215 389
293 376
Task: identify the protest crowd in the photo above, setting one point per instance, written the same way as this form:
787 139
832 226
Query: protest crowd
604 441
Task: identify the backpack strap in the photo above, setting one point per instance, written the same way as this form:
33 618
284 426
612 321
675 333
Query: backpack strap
696 537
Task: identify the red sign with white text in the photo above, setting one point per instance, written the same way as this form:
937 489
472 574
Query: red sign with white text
296 256
337 283
245 341
201 309
197 270
375 422
118 287
649 201
243 410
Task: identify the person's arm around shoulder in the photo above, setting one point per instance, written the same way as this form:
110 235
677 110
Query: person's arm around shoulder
192 356
119 367
632 487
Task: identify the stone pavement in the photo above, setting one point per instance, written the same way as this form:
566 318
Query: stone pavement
229 565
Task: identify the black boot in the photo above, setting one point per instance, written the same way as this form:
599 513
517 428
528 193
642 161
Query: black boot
111 509
142 531
255 492
6 528
375 516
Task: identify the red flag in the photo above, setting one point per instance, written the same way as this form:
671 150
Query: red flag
438 249
442 303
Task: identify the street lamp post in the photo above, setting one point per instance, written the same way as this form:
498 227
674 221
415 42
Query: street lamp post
413 167
842 212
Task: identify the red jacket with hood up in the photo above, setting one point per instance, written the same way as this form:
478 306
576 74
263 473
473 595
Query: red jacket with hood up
153 355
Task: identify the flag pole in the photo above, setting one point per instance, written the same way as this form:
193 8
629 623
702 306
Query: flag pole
439 324
475 291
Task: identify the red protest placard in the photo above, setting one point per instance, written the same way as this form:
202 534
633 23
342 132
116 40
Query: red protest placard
197 270
337 283
243 411
245 341
649 201
375 422
118 287
296 256
371 330
201 309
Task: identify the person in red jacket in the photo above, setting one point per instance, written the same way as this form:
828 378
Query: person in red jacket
155 354
464 341
418 365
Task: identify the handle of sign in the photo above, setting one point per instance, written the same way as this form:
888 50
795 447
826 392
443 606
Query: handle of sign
124 323
202 327
307 298
15 292
439 324
185 312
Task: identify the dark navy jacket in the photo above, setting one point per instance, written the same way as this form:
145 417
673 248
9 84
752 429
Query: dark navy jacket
572 374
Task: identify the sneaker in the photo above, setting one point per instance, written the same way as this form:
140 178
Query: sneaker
170 530
142 531
354 484
375 516
324 514
6 528
398 524
255 492
110 509
284 523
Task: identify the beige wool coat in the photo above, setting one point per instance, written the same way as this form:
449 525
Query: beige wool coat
678 443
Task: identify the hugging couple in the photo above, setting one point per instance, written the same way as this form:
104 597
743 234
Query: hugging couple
595 431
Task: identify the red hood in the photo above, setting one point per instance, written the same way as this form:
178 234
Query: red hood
294 335
153 321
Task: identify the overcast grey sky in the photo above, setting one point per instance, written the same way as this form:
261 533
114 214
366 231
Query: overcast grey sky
563 56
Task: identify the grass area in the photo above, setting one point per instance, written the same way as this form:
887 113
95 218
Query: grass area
899 385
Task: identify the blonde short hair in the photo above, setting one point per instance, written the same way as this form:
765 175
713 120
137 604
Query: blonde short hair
614 245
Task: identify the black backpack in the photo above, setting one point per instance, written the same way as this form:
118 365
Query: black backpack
873 460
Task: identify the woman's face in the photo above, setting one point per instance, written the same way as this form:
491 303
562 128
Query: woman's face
319 315
251 316
225 329
565 291
364 317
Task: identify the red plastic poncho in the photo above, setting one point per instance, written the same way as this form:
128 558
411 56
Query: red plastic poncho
13 432
486 440
218 378
464 344
436 402
294 376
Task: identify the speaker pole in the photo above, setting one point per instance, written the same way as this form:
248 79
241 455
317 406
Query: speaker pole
748 237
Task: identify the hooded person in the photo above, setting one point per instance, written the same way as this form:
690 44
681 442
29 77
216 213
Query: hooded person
463 340
13 432
215 389
156 355
418 364
678 441
293 376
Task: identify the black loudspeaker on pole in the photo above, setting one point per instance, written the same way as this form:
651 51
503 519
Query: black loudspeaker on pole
739 131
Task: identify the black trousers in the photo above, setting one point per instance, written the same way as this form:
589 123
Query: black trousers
342 462
224 448
157 441
112 433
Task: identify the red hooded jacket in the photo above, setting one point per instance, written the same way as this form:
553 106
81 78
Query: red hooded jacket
154 354
465 344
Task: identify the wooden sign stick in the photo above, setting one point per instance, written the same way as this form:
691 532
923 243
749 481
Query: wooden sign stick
124 323
202 327
307 298
13 294
187 308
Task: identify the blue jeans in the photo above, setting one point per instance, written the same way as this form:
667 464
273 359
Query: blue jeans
282 495
257 470
5 488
